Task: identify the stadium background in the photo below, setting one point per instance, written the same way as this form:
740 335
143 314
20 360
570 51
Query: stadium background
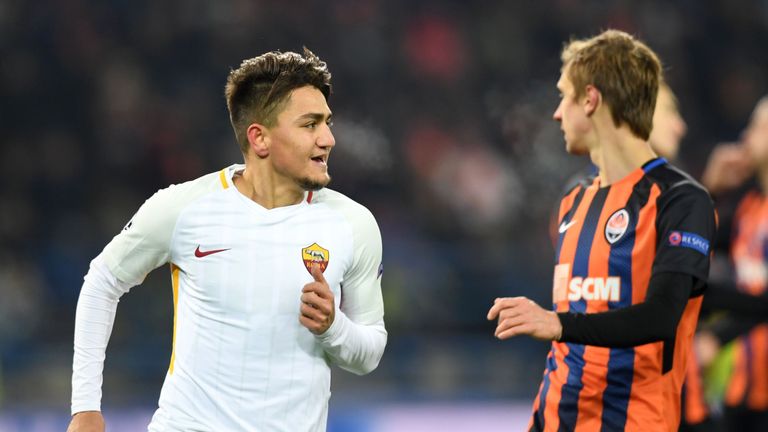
443 128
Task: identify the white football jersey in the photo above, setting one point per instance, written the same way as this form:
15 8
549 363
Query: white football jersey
241 360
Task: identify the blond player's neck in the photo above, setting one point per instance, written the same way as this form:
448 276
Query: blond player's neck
618 152
260 183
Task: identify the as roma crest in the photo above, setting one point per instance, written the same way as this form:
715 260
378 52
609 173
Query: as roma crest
616 226
315 254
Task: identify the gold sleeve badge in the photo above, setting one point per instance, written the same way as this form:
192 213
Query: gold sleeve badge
315 254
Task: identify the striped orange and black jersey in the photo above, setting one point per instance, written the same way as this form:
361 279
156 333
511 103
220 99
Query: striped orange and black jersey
611 240
748 386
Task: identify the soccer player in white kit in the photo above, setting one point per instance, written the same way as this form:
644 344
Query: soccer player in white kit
274 277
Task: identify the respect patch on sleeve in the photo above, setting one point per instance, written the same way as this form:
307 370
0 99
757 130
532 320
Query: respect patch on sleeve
690 241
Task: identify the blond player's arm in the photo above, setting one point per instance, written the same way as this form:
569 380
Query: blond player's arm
356 339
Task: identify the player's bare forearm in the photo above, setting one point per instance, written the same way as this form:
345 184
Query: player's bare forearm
522 316
87 421
728 167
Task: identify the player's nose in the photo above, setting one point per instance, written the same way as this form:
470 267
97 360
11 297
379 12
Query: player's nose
557 115
326 138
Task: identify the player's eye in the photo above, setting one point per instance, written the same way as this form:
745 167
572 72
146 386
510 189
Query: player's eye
329 123
311 125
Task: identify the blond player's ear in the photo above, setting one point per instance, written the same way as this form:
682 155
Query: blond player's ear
258 139
592 99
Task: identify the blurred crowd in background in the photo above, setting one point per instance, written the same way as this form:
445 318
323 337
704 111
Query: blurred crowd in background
443 128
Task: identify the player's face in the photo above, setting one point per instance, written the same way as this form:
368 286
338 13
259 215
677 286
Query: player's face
756 135
301 141
668 126
573 119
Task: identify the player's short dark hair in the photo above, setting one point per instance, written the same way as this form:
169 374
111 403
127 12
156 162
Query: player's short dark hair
626 72
258 90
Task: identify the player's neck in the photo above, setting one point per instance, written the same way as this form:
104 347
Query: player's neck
267 188
618 153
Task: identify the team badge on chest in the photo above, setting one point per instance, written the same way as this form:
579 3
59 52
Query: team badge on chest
315 254
616 226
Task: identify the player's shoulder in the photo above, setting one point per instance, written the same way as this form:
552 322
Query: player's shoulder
185 192
337 200
353 211
672 181
216 180
211 182
680 193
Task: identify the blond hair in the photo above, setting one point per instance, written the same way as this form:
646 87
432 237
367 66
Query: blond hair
625 71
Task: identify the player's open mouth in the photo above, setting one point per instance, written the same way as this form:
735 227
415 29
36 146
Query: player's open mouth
319 159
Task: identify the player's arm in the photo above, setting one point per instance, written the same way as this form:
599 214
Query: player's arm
96 309
730 327
679 272
654 320
142 246
726 297
714 336
728 167
743 312
353 336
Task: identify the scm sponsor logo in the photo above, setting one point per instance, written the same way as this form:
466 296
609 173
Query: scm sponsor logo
598 288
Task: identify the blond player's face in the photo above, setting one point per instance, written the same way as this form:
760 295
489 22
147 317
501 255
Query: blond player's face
572 116
756 135
301 141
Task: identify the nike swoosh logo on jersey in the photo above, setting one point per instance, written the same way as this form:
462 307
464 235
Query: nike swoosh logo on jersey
564 226
200 254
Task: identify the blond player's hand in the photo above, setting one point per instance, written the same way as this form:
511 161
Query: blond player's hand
317 306
521 316
728 167
87 421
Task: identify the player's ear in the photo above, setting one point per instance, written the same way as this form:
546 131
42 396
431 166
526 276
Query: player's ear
258 139
592 99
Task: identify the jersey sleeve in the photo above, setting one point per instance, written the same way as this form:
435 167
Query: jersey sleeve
685 228
361 287
144 243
